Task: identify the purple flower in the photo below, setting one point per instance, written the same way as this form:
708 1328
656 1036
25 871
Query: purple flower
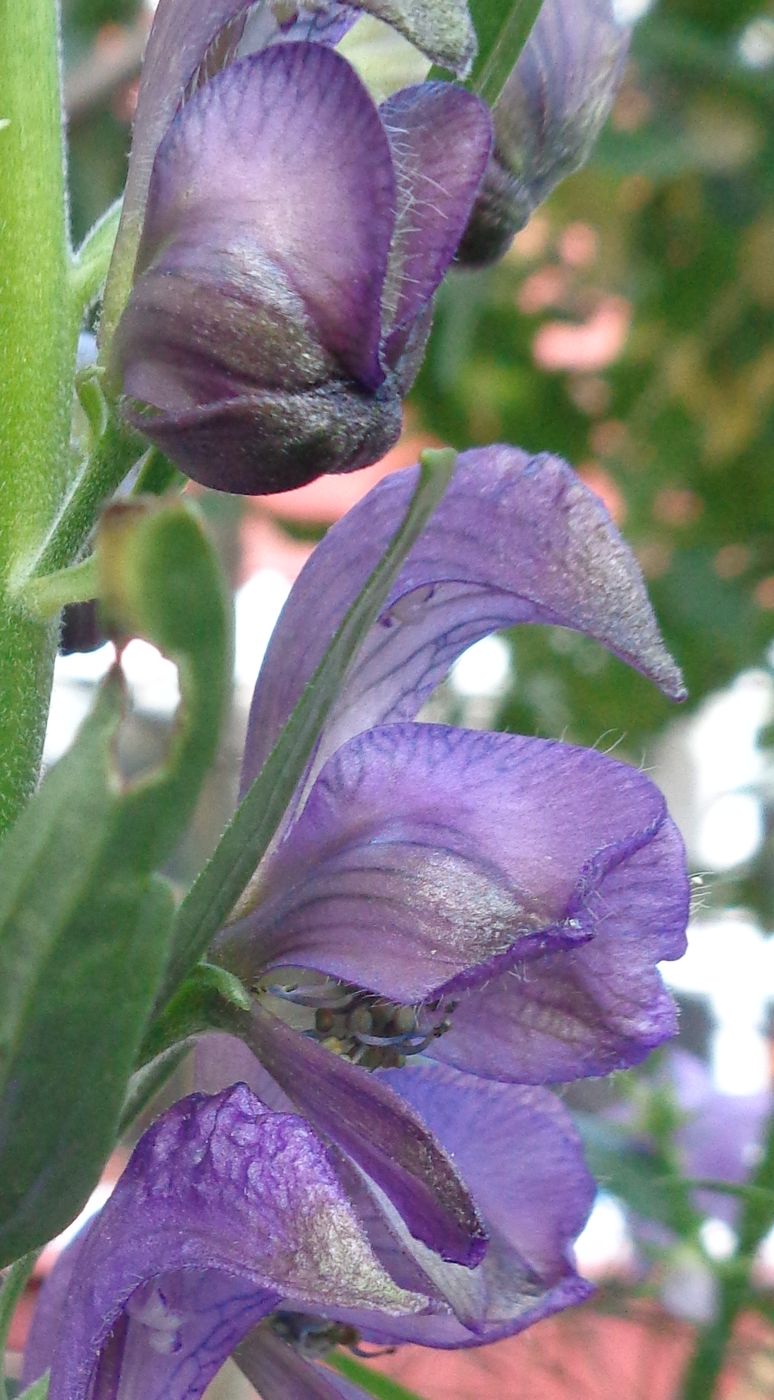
494 902
289 239
547 118
236 1230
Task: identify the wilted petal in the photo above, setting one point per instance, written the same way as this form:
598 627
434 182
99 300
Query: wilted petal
389 1142
547 117
429 859
544 550
283 154
278 1372
440 138
519 1149
594 1009
224 1209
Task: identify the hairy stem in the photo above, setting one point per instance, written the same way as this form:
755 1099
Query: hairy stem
37 354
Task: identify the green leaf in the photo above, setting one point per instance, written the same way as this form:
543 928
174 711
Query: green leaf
369 1381
503 29
13 1286
85 926
214 894
37 1391
89 265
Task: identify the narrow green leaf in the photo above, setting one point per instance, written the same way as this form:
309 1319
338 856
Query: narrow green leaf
235 860
85 926
147 1082
503 28
369 1381
37 1391
89 265
13 1285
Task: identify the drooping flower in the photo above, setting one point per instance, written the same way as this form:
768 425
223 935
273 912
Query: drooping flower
498 903
235 1230
547 118
289 239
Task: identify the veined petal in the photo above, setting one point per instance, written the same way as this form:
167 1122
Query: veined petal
440 138
285 154
386 1139
519 1149
224 1210
429 859
595 1009
544 550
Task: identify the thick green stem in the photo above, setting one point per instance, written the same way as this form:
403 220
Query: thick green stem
37 350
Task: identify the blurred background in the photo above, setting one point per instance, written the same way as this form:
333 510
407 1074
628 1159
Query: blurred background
630 331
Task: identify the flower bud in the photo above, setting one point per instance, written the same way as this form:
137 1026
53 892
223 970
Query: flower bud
293 238
547 118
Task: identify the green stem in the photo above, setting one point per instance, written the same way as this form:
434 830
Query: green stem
45 597
735 1282
214 893
13 1286
503 28
116 453
37 354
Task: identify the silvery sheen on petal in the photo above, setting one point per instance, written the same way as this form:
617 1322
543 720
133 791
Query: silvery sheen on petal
225 1211
496 902
547 118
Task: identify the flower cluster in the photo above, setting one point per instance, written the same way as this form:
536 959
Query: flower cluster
448 922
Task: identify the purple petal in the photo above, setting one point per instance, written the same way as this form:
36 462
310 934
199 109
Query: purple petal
440 139
547 118
390 1143
544 550
285 156
595 1009
278 1371
272 441
555 102
183 32
520 1151
428 859
224 1209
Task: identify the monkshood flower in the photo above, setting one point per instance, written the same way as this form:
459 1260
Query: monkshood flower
291 236
547 118
236 1230
496 902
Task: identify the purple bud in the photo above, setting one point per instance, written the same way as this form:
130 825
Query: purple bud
288 259
547 118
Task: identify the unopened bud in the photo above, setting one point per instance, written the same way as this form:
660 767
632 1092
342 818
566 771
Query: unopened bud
547 118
